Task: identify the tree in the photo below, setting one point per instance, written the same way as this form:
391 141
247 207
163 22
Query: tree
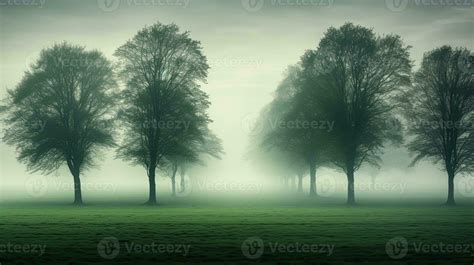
195 146
162 69
170 167
358 74
279 141
306 132
60 113
264 153
209 148
439 109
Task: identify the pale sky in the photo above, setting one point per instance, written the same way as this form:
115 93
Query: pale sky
248 50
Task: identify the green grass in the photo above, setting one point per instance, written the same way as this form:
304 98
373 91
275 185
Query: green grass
216 234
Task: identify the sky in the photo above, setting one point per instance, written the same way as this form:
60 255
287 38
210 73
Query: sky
249 44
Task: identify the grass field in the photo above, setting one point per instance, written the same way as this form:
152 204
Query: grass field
216 235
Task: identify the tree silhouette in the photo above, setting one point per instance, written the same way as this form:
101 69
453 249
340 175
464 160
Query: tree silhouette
357 75
162 102
297 130
439 108
195 145
265 151
61 111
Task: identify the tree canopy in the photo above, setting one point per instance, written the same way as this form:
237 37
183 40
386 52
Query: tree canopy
61 112
163 109
439 109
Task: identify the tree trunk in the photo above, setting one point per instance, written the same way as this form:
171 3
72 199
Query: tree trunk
300 183
77 188
312 173
173 181
151 179
350 187
182 184
293 183
76 174
173 186
450 200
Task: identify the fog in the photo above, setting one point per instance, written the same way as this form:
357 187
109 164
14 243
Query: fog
248 52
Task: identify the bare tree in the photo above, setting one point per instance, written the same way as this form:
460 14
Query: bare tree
358 73
60 113
162 103
439 109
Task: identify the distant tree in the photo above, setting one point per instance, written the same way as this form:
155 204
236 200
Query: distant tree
170 167
162 102
439 109
267 156
278 139
60 113
210 148
357 75
300 173
196 144
306 131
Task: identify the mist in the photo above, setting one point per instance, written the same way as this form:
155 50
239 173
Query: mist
236 132
248 52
